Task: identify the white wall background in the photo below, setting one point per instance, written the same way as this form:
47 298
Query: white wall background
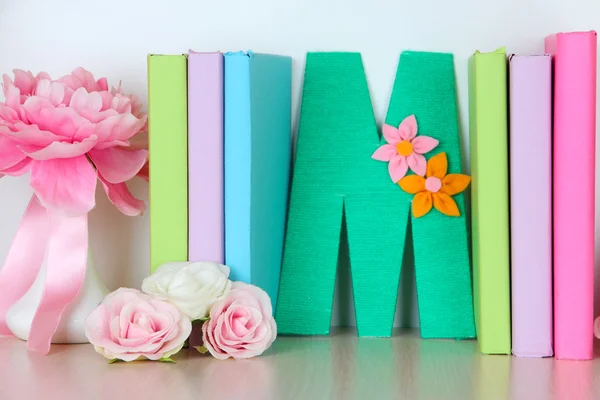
112 38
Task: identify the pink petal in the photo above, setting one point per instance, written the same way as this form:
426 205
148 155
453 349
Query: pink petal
102 84
59 149
121 197
107 99
53 91
61 121
397 168
18 169
12 95
84 102
424 144
110 144
31 134
119 127
24 81
145 172
10 155
385 152
66 186
408 128
391 134
7 115
87 79
417 164
118 165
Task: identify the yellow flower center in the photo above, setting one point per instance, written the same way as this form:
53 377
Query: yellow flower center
404 148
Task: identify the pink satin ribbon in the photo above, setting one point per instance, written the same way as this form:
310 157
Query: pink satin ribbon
64 243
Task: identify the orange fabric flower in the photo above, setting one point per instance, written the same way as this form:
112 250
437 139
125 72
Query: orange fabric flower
436 189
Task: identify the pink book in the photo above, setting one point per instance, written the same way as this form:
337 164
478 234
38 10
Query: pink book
574 169
205 159
531 204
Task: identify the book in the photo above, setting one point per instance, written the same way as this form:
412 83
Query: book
167 125
574 57
257 165
531 204
205 155
488 126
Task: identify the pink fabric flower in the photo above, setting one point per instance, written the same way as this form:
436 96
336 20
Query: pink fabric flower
129 325
69 133
404 149
241 325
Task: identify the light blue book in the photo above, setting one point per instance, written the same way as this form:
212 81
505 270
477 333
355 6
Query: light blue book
258 106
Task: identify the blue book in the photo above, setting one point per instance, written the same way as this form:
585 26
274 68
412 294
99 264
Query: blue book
258 105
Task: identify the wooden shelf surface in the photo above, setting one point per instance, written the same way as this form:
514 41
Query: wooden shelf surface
340 366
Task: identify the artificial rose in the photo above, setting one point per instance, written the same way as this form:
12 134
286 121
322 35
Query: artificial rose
70 133
192 286
241 325
129 325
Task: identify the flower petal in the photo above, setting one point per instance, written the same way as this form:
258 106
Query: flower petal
24 81
12 95
59 149
417 163
397 168
421 204
66 186
121 197
412 184
445 204
62 121
455 183
31 134
119 127
118 165
384 153
424 144
18 169
53 91
10 154
390 134
437 166
408 128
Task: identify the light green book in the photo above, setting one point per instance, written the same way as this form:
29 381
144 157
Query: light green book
488 125
167 124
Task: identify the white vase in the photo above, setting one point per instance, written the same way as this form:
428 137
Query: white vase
71 328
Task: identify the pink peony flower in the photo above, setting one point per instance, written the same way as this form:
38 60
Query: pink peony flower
404 149
69 133
241 325
130 325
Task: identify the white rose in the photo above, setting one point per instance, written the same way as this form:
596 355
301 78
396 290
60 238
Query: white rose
191 286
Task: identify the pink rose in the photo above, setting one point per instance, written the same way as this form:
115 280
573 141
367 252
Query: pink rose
129 325
241 325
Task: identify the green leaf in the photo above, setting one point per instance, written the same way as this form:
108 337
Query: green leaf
166 360
200 321
114 360
201 349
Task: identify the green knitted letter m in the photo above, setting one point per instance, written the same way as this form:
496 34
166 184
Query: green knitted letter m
335 177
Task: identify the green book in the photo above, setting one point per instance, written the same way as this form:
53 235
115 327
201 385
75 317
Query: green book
488 124
167 124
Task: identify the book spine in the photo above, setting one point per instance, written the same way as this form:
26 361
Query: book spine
531 204
167 124
238 156
489 168
205 151
271 99
574 196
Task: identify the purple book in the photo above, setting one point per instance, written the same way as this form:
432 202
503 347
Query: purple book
531 204
205 165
